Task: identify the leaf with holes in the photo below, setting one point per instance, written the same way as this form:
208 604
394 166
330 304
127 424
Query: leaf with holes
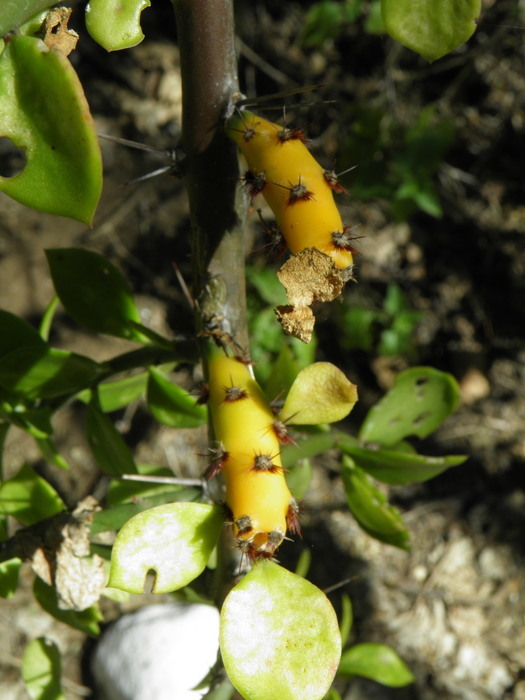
115 24
417 404
174 540
431 29
44 112
279 636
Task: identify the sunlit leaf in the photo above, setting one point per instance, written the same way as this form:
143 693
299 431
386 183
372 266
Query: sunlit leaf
370 508
378 662
94 292
118 393
279 636
107 444
9 576
85 620
174 540
417 404
431 29
43 111
41 670
43 372
115 24
172 405
29 498
320 394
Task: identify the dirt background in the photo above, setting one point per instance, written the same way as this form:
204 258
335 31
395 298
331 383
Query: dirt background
454 607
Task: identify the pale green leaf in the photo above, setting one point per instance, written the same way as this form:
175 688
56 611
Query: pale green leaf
279 636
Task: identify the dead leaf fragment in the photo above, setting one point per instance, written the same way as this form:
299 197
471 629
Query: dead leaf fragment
308 276
56 34
296 321
60 555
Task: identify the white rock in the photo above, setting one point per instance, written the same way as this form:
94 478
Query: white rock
160 652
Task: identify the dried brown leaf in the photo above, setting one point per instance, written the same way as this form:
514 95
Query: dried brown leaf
307 277
56 34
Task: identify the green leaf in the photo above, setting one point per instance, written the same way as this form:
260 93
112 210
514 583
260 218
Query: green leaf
13 14
35 421
50 453
43 372
323 21
47 318
41 670
378 662
284 370
417 404
359 328
320 394
115 24
267 285
392 467
299 478
107 444
172 405
311 446
174 540
279 636
16 334
431 29
123 490
347 618
86 620
370 508
9 576
94 292
29 498
117 516
113 395
44 113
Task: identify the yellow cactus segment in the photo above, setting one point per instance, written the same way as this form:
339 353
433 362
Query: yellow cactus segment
296 188
242 421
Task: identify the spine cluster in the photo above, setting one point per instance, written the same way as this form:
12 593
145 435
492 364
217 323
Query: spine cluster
296 187
248 454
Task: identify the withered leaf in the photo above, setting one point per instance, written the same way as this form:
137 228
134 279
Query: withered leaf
56 34
307 277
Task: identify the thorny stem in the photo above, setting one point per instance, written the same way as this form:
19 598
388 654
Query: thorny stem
209 83
210 167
